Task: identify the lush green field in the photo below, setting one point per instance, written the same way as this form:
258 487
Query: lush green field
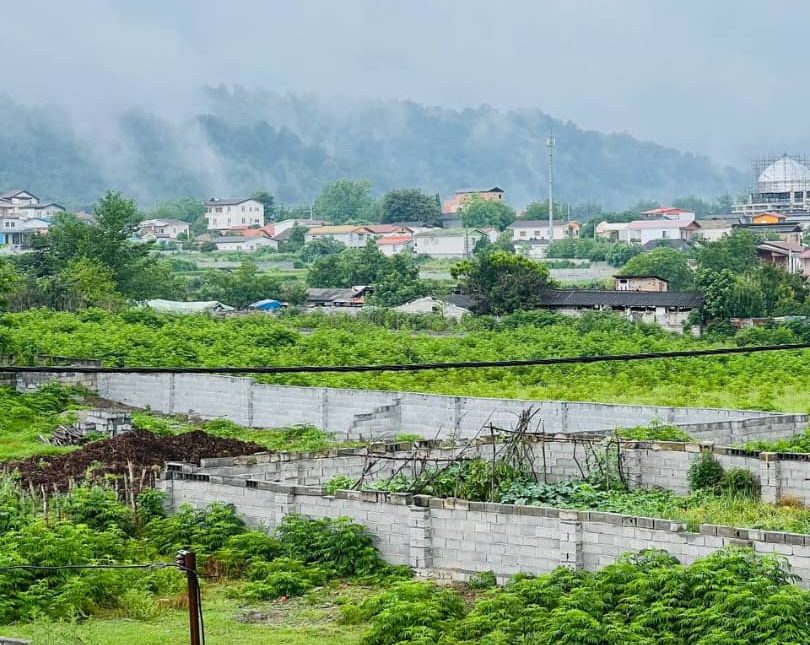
770 381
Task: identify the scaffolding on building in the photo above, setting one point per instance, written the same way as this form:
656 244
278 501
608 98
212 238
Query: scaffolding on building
780 184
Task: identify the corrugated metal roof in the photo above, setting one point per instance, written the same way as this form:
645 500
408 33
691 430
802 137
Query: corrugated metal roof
605 298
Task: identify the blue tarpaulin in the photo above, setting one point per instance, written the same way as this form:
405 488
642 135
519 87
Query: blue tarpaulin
267 305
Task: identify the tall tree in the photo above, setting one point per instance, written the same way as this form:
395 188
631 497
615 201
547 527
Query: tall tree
664 262
410 205
501 282
478 213
346 200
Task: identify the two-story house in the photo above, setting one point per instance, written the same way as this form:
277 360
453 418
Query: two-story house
450 242
25 205
535 230
225 214
162 229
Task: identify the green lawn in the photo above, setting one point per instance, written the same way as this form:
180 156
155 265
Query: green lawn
313 619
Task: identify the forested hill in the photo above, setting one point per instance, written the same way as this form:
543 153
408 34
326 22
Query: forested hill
237 141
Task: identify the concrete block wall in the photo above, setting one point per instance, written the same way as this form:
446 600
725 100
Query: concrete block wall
346 412
645 464
453 538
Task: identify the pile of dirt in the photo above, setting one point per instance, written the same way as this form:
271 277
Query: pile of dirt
138 455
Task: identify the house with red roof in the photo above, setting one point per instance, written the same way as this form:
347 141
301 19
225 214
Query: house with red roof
393 244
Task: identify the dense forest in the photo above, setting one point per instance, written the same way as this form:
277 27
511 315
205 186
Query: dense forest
236 141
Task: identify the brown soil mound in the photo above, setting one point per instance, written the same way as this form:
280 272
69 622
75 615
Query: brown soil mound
140 454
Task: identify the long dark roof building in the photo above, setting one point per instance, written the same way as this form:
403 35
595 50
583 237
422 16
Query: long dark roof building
608 298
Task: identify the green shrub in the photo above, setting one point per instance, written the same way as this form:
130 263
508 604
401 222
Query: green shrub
741 482
705 473
341 545
482 580
98 508
204 530
339 482
241 550
281 577
406 612
655 431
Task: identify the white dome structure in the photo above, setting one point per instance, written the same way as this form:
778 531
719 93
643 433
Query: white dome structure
785 175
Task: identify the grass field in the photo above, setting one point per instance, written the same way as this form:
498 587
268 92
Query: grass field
312 619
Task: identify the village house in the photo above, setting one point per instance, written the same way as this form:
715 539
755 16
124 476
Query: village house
612 231
163 229
16 232
643 231
669 309
351 235
349 298
389 229
667 212
393 244
450 242
712 230
224 214
648 283
24 204
786 232
535 230
451 207
243 243
788 256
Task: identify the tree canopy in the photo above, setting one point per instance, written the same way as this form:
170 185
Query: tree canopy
410 205
663 262
346 200
501 282
478 213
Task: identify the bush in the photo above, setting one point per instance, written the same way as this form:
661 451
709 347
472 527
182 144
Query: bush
654 432
240 551
407 612
339 482
706 473
482 580
203 531
741 482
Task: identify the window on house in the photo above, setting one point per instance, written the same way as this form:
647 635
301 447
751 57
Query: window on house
664 234
219 210
523 234
243 220
537 233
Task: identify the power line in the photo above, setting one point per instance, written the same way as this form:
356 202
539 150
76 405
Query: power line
404 367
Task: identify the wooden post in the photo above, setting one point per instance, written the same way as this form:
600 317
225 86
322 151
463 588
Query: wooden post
188 561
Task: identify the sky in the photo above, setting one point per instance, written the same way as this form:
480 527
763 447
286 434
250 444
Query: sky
721 77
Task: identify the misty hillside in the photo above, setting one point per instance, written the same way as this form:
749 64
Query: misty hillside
239 142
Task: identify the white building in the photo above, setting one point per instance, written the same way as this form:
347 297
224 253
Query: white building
782 186
393 244
16 232
536 230
643 231
450 242
350 234
242 243
25 205
712 230
163 229
227 213
613 231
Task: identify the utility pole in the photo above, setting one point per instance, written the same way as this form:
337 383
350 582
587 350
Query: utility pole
550 146
187 562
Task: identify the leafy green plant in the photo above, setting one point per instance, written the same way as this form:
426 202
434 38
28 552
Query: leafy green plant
705 473
339 482
406 612
482 580
742 482
655 431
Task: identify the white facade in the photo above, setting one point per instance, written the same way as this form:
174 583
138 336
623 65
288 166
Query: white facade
157 228
613 231
537 230
449 243
351 236
643 231
392 245
244 243
227 213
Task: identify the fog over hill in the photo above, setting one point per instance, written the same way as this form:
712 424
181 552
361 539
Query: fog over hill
237 141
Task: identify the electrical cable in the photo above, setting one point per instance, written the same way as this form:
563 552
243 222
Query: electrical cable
404 367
